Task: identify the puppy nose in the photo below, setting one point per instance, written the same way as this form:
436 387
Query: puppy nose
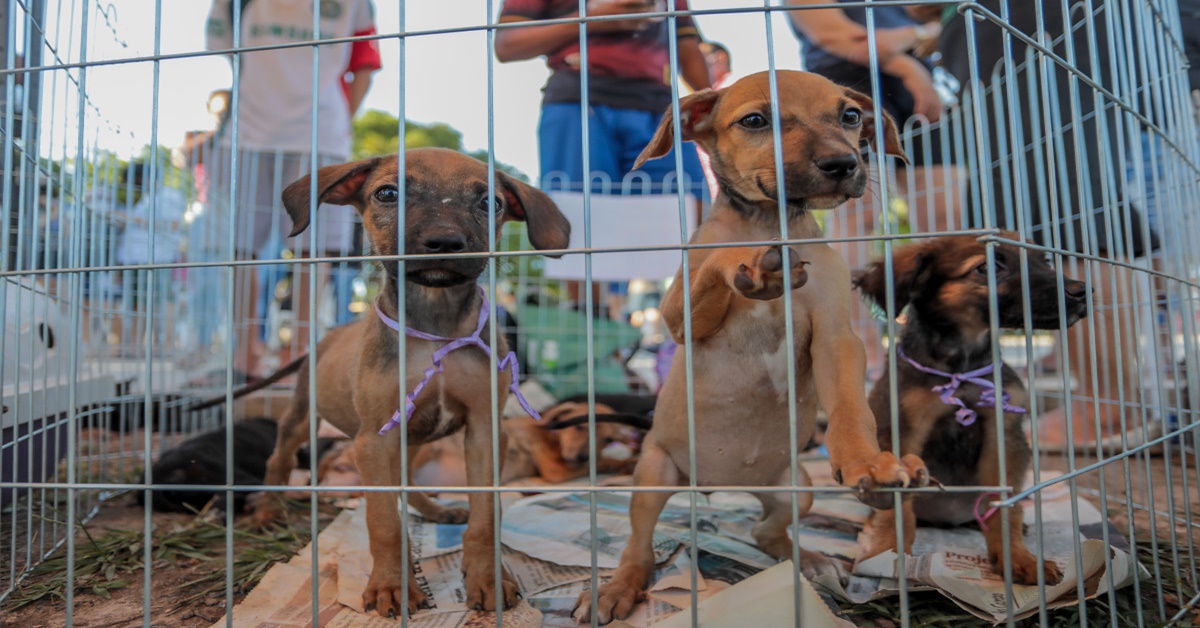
838 168
1075 289
455 243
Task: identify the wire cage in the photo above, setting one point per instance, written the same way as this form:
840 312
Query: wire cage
145 272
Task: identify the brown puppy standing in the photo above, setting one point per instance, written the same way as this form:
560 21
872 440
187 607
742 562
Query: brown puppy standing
944 284
446 211
738 325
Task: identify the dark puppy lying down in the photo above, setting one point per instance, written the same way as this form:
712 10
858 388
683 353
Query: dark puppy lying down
201 461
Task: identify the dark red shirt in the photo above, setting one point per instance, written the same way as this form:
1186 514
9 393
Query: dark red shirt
628 70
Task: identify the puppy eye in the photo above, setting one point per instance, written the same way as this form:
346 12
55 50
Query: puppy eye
498 204
387 194
852 117
754 121
982 269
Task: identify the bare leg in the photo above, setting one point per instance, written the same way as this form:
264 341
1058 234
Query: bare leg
1111 353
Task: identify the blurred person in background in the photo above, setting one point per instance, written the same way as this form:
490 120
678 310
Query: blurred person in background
273 125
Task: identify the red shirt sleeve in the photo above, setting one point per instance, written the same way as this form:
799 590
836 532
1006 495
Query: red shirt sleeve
364 55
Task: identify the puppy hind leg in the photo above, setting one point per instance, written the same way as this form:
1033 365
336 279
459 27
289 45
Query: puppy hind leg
616 599
771 531
292 434
879 535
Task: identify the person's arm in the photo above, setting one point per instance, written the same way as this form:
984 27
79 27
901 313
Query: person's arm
831 30
918 81
359 85
364 60
519 44
692 66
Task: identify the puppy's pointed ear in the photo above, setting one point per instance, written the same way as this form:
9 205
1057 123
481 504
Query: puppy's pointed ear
912 266
548 227
891 136
337 185
695 121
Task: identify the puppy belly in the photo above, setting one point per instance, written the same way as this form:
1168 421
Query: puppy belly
952 509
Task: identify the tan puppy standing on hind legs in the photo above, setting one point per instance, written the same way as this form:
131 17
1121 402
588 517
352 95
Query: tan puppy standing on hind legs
738 325
445 212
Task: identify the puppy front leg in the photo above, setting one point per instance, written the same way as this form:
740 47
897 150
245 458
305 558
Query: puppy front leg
479 553
839 371
1024 563
379 465
751 272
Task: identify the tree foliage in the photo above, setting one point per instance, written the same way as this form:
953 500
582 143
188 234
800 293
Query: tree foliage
378 133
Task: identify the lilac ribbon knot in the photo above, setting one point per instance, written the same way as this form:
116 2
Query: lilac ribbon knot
508 362
964 415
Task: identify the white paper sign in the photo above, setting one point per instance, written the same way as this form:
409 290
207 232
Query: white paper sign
623 221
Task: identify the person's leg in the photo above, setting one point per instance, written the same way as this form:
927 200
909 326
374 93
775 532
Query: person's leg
1102 363
334 225
560 157
253 222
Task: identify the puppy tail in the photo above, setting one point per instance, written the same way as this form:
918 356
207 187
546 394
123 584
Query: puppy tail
288 369
632 420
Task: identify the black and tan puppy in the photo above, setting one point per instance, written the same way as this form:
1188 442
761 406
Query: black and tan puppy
200 460
444 211
944 284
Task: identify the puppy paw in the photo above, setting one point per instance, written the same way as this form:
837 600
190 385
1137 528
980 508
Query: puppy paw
447 514
882 471
385 590
762 276
917 470
615 600
267 508
816 565
1024 567
480 582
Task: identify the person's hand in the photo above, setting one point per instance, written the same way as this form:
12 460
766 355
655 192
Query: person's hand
893 42
919 83
601 8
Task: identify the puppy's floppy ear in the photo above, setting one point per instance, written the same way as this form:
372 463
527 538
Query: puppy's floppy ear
912 267
695 120
548 227
337 185
891 136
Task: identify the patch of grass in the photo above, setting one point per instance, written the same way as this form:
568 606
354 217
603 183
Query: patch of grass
935 610
113 560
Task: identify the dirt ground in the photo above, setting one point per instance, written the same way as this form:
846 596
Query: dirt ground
118 607
123 606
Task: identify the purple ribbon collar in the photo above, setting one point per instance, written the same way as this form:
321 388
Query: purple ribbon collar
508 362
964 415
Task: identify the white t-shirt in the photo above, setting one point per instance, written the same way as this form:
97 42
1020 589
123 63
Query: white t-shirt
275 107
169 207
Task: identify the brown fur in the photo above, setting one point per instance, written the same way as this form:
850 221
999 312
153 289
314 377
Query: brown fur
445 211
944 284
540 449
738 325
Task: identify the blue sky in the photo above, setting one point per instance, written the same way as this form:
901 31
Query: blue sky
445 79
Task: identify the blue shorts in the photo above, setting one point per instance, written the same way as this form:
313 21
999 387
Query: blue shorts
615 138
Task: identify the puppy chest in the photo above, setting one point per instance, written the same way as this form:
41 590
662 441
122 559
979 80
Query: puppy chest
444 400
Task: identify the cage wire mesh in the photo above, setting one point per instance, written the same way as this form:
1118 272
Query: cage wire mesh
1069 132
